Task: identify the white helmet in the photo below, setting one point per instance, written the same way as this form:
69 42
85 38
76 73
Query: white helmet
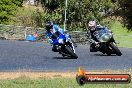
92 24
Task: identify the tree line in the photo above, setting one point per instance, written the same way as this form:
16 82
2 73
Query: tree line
79 12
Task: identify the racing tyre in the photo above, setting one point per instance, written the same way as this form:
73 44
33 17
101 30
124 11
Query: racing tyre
116 50
69 51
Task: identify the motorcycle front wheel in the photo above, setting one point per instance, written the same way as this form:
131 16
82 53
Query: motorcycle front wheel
70 52
115 49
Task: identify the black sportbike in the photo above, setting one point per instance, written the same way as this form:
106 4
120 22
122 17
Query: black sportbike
107 44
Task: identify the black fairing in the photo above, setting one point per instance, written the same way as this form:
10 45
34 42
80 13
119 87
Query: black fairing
105 46
112 40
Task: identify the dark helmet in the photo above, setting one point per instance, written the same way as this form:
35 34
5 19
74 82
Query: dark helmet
49 25
56 21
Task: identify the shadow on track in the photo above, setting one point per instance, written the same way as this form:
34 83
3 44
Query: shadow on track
103 55
63 58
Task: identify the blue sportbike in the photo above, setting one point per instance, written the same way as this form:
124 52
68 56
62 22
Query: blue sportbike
64 44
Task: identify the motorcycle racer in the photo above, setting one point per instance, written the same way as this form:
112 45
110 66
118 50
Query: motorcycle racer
52 32
92 28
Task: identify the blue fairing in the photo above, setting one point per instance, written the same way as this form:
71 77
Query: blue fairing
61 36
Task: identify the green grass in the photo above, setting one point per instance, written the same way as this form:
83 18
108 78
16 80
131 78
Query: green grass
121 35
124 41
54 83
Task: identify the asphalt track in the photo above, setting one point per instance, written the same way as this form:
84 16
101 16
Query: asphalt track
37 56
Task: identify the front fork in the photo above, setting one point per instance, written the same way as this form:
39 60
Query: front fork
112 40
73 47
104 47
70 44
108 47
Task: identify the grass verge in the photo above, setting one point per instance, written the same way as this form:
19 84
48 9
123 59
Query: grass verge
59 82
51 80
121 35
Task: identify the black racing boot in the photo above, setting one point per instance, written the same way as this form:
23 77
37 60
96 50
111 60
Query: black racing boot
54 49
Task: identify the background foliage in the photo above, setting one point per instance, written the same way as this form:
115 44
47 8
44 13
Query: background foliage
8 9
125 9
79 12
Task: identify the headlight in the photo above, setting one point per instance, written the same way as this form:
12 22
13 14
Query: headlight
105 37
60 40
